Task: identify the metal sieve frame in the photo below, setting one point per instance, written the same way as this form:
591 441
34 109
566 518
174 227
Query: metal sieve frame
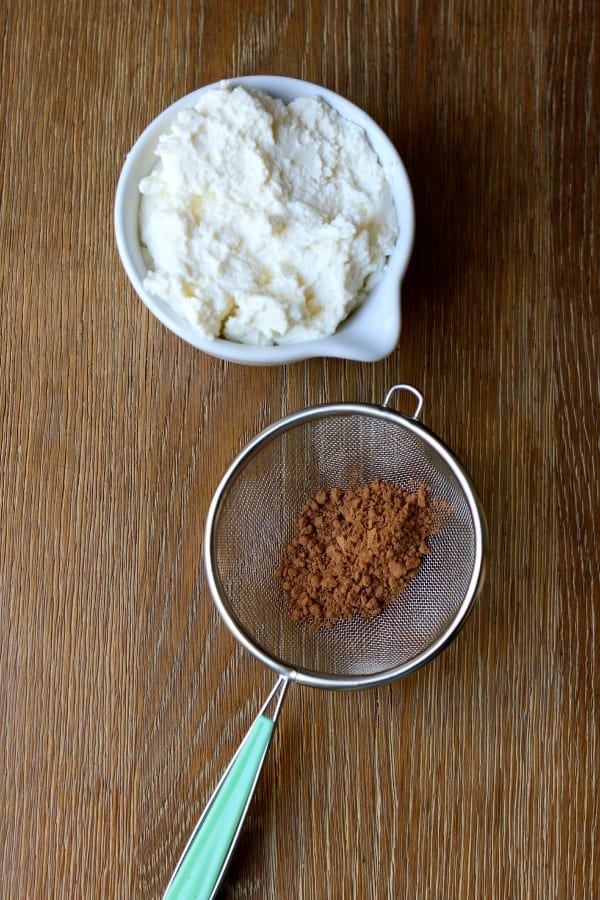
271 432
212 841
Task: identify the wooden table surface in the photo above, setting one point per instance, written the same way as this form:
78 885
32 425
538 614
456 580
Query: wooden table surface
123 695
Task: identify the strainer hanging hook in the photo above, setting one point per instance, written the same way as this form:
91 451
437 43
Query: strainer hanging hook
412 390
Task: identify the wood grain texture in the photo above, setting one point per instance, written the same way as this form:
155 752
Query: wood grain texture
122 695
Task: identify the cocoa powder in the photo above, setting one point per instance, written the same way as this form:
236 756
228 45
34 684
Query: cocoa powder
356 550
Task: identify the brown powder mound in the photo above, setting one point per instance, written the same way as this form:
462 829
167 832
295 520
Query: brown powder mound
356 550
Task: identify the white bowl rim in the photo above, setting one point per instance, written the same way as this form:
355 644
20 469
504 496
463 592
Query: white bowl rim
372 331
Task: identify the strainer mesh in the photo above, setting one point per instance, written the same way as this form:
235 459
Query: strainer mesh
256 516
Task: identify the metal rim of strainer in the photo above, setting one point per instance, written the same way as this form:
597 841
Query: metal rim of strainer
273 431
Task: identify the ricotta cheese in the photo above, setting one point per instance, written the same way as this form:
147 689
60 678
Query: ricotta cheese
264 222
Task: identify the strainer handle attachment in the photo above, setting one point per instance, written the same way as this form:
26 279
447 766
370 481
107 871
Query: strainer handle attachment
199 872
412 390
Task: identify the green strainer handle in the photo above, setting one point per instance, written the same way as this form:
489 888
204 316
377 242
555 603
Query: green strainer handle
202 865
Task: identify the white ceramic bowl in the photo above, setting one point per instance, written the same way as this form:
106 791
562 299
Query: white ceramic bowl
370 333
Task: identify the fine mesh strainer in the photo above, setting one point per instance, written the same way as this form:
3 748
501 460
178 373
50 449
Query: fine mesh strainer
253 515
